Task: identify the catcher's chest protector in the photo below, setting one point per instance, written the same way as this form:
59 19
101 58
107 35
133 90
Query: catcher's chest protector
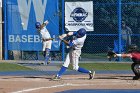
136 57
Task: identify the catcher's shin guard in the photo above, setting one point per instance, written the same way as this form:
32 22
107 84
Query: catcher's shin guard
136 69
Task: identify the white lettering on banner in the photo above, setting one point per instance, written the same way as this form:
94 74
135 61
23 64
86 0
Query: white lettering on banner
37 38
79 24
24 38
24 10
17 39
79 14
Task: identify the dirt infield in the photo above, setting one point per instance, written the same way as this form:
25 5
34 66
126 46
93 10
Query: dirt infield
43 84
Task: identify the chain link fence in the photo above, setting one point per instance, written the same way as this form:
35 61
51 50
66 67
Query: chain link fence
106 32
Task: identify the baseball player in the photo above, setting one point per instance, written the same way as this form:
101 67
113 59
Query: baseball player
72 57
46 38
134 54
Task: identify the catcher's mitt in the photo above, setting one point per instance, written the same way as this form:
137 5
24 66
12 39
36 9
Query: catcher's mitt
110 55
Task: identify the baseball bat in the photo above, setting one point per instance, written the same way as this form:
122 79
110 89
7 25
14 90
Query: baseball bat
53 16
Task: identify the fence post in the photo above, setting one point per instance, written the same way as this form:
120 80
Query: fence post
119 26
5 31
63 45
1 47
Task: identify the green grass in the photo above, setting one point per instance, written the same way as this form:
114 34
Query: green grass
12 67
105 66
99 55
95 66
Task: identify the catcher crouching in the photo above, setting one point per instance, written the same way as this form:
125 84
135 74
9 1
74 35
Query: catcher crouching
134 54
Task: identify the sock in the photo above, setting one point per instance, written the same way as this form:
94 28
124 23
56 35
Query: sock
47 54
83 70
61 71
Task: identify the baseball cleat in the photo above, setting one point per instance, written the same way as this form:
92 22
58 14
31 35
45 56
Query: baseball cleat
56 78
91 75
136 78
49 61
45 63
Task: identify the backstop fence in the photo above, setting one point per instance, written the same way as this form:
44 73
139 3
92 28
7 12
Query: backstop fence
109 17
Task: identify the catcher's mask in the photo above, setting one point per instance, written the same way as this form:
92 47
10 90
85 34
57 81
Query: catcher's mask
133 48
37 25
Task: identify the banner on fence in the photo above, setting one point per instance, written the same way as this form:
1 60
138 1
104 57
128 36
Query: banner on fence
78 15
21 18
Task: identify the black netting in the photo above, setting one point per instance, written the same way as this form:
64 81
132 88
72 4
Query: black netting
106 35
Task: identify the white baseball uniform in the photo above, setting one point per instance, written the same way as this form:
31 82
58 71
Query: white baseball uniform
46 35
74 53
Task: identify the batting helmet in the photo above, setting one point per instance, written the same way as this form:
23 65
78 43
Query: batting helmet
81 32
132 48
37 25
